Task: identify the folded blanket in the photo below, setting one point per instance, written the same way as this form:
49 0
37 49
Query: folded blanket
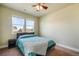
38 47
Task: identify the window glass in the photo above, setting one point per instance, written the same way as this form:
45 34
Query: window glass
17 24
29 25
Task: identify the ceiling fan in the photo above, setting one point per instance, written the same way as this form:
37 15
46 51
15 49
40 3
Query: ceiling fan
40 6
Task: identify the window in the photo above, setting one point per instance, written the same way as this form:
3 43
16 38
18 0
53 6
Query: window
17 24
29 26
22 25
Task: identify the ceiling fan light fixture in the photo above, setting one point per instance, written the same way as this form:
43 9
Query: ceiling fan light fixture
38 7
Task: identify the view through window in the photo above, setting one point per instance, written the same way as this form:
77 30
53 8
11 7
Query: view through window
19 24
29 25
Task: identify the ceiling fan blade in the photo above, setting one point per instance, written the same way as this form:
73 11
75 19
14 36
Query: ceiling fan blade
33 5
45 7
36 5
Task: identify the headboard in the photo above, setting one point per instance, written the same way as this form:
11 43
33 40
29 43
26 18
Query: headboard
19 34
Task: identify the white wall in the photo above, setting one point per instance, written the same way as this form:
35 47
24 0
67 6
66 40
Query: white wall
62 26
6 25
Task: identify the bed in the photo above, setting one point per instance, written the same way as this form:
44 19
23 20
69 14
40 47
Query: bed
32 45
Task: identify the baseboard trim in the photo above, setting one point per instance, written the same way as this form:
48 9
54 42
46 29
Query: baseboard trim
65 46
3 46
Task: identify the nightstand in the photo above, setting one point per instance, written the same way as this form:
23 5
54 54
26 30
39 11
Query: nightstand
11 43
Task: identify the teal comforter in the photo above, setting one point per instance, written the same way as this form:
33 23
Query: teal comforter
20 42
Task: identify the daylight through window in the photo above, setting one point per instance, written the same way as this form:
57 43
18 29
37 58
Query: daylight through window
22 25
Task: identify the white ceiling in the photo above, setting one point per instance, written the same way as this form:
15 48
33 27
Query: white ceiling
52 7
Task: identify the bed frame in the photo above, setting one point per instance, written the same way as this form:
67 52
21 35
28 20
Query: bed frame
19 34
